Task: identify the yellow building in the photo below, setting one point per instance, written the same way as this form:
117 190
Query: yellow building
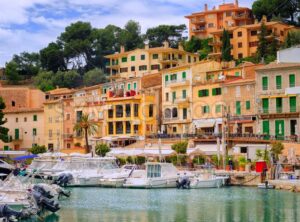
25 117
58 119
140 62
202 24
244 39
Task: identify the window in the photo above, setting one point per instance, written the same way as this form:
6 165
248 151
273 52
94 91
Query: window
240 45
68 116
278 82
123 70
189 59
238 108
134 85
183 75
244 149
203 93
248 105
132 58
218 108
173 96
253 33
50 119
17 134
124 59
128 110
34 117
110 113
237 73
293 104
279 105
50 133
143 68
216 91
184 113
166 78
119 127
167 96
155 56
128 86
180 56
128 127
136 110
119 111
205 109
174 113
174 129
265 104
253 44
151 110
292 80
184 94
265 83
228 14
173 77
13 103
167 113
17 119
142 57
34 133
25 119
211 25
110 128
68 145
240 55
132 68
240 34
136 128
155 67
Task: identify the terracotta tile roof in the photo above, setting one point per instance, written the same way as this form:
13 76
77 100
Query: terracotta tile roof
275 65
60 91
24 110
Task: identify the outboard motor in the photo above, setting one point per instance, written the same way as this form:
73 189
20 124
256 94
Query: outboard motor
9 214
61 191
183 182
43 191
44 202
63 179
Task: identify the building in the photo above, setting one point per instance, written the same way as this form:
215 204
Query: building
59 119
277 93
244 39
25 117
140 62
202 24
290 55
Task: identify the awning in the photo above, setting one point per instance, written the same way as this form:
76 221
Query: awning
207 149
12 153
204 123
292 91
25 157
140 152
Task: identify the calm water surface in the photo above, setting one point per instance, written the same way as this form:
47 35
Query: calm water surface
216 205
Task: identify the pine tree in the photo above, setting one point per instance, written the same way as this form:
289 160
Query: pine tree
274 46
262 48
288 41
3 131
226 47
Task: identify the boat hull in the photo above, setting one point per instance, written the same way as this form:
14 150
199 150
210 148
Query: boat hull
210 183
143 183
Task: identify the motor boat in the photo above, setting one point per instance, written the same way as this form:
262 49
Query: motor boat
206 181
118 178
156 175
5 169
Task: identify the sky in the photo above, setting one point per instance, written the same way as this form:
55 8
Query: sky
29 25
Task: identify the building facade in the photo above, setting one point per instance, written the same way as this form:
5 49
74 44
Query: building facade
277 92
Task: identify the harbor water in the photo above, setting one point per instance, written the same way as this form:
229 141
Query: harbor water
216 205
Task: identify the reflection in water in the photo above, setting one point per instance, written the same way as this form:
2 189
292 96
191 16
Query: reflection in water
219 205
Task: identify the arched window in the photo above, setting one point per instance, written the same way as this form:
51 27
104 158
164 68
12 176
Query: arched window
167 113
13 103
174 113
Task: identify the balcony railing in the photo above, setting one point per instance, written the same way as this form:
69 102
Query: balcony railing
198 20
291 109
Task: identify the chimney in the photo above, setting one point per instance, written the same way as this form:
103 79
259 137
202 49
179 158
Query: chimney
166 44
237 3
205 7
146 42
180 46
122 49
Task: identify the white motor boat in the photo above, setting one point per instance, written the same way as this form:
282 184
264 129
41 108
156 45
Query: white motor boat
117 179
156 175
206 181
5 168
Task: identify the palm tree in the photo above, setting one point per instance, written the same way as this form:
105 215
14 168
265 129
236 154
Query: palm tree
88 127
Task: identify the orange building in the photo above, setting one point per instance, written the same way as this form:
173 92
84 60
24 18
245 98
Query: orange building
202 24
244 39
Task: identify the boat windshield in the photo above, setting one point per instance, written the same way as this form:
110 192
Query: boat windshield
153 171
76 165
109 165
60 165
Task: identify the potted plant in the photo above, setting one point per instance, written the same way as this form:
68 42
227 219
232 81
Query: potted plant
242 163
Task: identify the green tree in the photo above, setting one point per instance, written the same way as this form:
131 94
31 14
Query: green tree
12 73
38 149
171 33
44 81
88 127
102 149
130 36
52 57
262 49
28 64
94 77
276 149
3 130
68 79
226 47
292 39
180 147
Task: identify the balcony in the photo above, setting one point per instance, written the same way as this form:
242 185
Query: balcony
279 112
115 76
181 100
215 43
198 21
168 60
177 83
241 16
176 120
199 30
68 136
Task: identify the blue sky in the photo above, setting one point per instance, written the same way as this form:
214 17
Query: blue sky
29 25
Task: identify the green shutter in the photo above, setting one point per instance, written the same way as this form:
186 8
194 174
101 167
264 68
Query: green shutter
238 108
184 94
292 80
279 129
265 103
278 82
166 78
17 134
247 105
266 128
237 73
279 105
6 147
173 96
218 108
128 86
132 58
265 83
34 117
184 75
199 93
293 104
124 59
134 85
214 91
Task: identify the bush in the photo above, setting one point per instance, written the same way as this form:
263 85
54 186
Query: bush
102 149
199 159
130 160
181 160
171 159
121 160
38 149
140 160
77 144
242 161
180 147
214 160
